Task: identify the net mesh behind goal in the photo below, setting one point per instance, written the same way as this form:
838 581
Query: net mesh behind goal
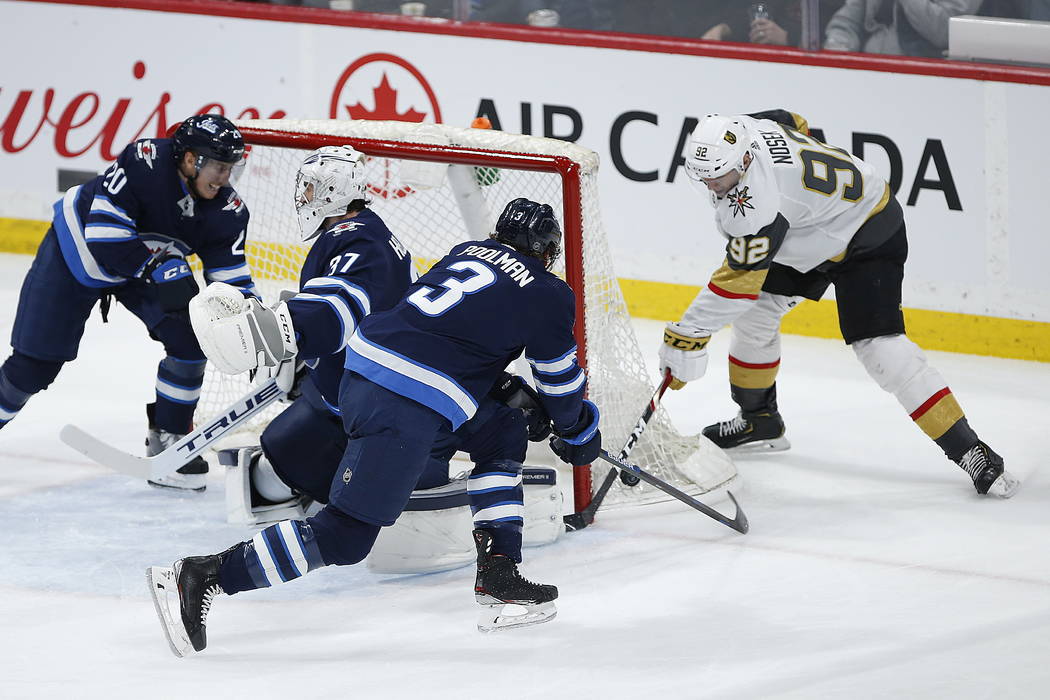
436 186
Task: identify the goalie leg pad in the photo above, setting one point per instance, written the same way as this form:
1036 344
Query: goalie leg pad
433 533
243 466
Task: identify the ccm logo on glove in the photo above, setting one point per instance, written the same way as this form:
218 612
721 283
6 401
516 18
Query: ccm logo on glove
173 281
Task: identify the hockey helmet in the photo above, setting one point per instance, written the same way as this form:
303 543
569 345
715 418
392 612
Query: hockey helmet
328 181
717 147
531 228
209 136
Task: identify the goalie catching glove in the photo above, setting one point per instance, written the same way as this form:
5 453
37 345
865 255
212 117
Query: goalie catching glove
684 352
239 334
580 444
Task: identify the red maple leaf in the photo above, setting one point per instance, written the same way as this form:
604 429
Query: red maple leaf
386 106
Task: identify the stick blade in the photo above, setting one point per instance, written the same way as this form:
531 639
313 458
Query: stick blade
739 523
106 455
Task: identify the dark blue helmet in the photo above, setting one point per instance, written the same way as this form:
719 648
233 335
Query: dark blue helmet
209 136
531 228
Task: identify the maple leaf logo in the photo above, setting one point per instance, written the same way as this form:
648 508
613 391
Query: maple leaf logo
385 106
739 200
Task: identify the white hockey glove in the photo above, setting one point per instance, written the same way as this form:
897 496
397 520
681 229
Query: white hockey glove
239 334
684 352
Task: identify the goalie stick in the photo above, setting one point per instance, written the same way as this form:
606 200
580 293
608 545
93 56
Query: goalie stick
578 521
181 452
738 522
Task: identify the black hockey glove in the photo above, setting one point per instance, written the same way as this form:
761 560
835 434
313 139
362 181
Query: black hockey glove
580 444
173 281
512 390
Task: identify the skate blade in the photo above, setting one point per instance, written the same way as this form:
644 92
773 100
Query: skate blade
178 482
779 444
165 590
1005 486
493 619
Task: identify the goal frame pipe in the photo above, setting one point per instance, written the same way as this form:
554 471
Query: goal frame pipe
572 213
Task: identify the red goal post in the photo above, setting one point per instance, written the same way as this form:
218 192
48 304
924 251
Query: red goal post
435 186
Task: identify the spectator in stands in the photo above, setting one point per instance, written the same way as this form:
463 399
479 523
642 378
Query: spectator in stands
902 27
577 14
781 25
675 18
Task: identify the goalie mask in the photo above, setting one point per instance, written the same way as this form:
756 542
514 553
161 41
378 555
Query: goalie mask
717 147
328 181
531 228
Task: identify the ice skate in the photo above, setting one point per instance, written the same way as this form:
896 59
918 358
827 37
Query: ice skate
986 469
189 477
182 595
499 584
749 432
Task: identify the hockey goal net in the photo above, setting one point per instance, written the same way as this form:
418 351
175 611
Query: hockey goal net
436 186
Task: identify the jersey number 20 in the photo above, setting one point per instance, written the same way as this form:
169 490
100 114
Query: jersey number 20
479 276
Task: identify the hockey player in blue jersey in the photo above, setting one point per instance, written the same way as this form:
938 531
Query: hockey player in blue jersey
415 373
125 235
356 266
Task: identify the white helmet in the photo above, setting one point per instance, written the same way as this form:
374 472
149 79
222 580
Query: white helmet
338 178
717 147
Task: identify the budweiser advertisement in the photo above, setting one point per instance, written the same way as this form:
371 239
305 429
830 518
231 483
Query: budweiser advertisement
956 151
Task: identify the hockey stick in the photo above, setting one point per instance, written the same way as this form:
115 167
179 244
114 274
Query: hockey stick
182 451
578 521
738 522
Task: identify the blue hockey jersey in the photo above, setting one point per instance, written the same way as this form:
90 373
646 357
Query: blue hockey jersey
353 269
446 342
110 227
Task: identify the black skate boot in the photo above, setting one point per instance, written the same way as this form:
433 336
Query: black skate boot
986 469
189 477
499 583
182 595
759 431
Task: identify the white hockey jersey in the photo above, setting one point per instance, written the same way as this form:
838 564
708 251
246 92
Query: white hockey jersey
825 193
799 204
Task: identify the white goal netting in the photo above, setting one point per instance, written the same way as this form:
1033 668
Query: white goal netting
460 180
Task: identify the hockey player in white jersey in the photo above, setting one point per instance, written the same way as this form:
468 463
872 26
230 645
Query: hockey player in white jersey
800 215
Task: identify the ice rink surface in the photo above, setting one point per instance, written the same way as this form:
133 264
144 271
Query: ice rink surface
872 568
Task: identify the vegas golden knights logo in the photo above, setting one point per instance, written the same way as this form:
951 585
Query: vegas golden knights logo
730 137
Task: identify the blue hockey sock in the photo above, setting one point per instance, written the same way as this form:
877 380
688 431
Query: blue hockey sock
178 390
279 553
497 502
32 376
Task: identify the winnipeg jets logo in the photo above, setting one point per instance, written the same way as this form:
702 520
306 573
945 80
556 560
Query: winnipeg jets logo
209 125
234 204
345 227
146 151
186 205
739 201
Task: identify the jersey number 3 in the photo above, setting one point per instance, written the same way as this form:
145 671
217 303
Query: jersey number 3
454 288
